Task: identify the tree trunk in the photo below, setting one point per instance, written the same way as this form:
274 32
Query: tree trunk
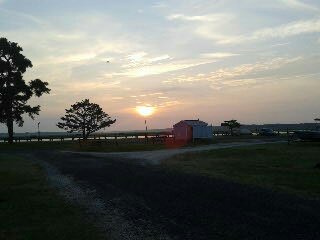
84 135
88 134
10 130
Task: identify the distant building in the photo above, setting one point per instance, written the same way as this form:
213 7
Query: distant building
188 130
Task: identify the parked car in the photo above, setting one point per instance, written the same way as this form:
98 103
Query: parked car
242 131
267 132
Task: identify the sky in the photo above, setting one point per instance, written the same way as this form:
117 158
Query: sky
256 61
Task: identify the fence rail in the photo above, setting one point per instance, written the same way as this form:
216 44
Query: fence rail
137 137
107 137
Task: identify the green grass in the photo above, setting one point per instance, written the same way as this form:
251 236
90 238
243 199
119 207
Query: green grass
30 209
281 167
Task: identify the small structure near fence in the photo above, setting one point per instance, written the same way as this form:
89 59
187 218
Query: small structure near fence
189 130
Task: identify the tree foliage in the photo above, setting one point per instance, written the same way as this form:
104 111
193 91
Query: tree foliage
231 124
85 117
14 90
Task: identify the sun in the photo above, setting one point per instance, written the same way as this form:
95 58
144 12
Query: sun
145 111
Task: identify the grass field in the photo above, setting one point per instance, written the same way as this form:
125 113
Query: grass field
102 146
283 167
29 209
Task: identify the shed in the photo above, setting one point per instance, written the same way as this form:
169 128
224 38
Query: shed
188 130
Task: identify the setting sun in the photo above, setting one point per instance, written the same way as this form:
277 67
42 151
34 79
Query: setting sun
145 111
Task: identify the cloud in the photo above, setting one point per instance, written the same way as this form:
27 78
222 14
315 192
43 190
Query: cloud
282 31
141 64
201 18
136 57
218 55
142 59
241 75
148 70
77 57
214 26
299 5
159 100
160 58
290 29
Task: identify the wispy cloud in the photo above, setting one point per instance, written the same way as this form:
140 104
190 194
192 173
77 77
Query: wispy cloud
218 55
283 31
201 18
149 70
140 59
248 74
141 64
300 5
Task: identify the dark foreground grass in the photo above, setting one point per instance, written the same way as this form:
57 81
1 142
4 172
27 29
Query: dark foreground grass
36 145
121 147
282 167
83 147
29 209
94 146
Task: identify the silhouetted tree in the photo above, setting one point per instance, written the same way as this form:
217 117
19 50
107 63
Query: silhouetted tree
231 124
14 91
85 117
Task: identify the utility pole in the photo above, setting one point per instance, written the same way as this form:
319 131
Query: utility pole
145 123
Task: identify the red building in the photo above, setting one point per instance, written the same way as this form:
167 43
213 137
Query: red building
188 130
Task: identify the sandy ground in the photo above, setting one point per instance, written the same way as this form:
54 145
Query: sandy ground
155 157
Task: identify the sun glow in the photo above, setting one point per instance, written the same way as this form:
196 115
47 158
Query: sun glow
145 111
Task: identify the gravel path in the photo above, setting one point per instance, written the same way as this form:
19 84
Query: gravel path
155 157
111 220
134 201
